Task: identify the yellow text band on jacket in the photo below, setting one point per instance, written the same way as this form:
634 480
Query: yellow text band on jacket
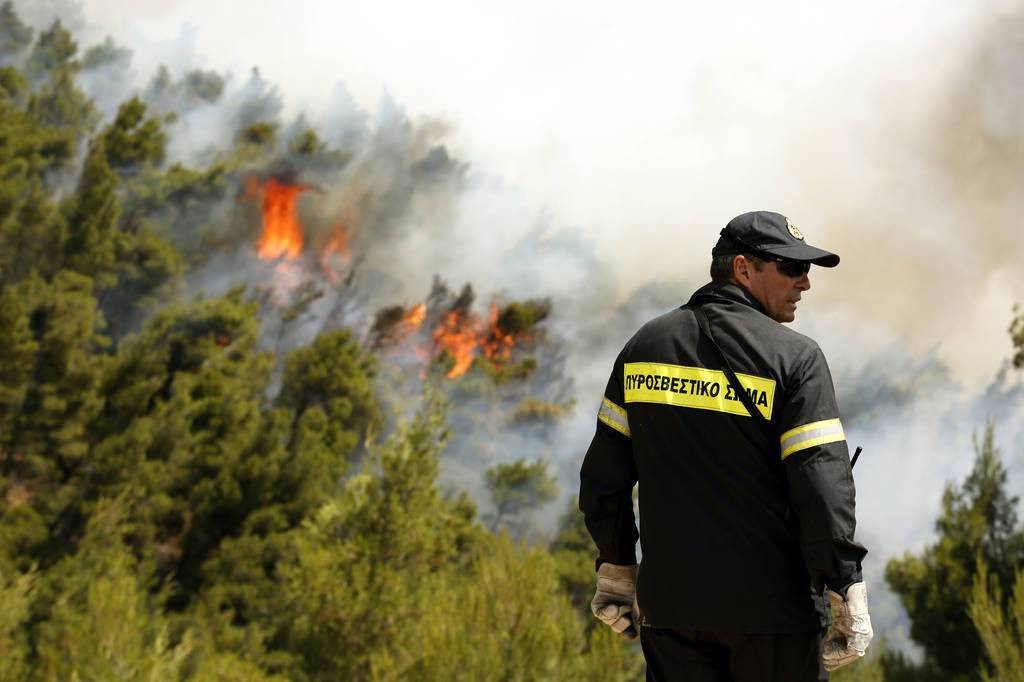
614 416
696 387
809 435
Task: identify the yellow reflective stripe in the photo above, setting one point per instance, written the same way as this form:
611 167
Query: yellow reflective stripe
695 387
614 416
809 435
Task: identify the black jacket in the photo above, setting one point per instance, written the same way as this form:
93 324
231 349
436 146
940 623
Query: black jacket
740 531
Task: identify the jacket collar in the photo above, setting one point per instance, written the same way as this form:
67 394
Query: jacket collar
724 292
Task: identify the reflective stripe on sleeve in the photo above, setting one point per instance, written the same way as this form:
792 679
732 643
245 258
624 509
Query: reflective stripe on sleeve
614 416
809 435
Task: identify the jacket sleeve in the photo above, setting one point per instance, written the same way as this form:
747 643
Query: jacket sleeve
607 479
817 464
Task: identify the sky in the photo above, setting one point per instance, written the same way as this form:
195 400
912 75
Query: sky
888 132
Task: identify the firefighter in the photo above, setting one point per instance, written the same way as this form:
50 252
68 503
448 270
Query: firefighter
727 421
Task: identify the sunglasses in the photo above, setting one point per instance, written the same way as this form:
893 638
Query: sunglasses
792 268
788 267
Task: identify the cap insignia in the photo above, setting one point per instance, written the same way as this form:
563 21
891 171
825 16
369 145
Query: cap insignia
794 230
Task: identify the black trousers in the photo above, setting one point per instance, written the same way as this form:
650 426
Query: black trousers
693 656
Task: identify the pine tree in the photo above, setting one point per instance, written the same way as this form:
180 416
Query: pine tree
91 246
15 36
133 140
326 387
15 595
54 51
1000 624
519 488
978 520
99 618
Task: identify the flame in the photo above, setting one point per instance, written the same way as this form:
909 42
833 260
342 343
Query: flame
282 231
335 253
414 317
338 243
498 344
459 334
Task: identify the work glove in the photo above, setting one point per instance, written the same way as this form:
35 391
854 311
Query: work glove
850 633
614 603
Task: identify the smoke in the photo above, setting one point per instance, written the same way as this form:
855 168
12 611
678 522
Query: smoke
593 162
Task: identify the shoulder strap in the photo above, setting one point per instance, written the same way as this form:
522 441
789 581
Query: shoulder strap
737 387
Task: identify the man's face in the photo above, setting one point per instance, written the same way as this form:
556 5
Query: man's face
777 293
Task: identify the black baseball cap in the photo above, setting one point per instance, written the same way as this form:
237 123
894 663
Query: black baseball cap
760 232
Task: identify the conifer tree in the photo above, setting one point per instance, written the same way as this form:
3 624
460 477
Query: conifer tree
326 387
1000 624
15 36
1017 337
978 520
54 51
99 619
17 350
133 140
15 595
91 246
58 102
518 488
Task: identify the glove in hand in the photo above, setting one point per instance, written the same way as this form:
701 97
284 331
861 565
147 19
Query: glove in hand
848 637
613 603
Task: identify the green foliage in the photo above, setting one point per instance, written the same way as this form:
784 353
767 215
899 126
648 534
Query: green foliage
1017 337
15 595
978 520
326 386
1001 631
532 410
105 53
17 350
49 435
91 245
306 143
519 487
98 615
522 317
205 86
363 562
573 553
13 85
503 372
14 35
54 51
133 140
391 562
260 133
59 103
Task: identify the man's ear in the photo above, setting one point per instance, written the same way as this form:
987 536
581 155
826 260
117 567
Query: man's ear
740 268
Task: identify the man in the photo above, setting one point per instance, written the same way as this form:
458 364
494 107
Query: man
745 489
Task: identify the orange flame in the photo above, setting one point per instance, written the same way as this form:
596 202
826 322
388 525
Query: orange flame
459 334
335 253
282 231
462 335
338 243
498 344
414 317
